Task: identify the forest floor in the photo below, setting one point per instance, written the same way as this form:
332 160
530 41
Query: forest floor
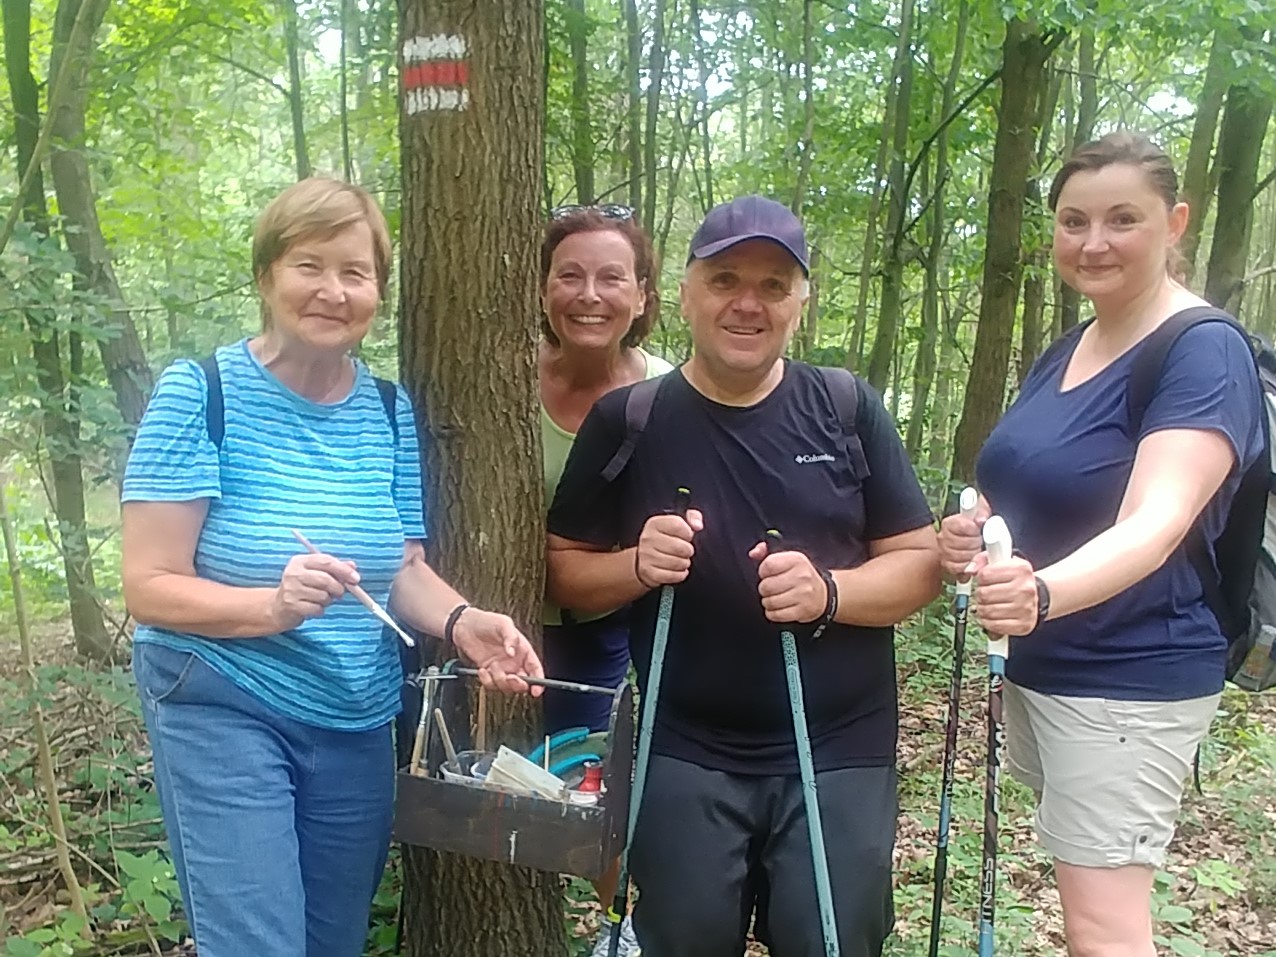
1216 896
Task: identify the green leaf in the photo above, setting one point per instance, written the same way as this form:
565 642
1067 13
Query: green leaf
1174 914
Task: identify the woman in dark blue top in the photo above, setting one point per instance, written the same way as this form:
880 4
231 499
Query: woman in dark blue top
1119 665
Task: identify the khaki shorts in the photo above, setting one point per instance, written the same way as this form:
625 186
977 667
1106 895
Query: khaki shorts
1108 774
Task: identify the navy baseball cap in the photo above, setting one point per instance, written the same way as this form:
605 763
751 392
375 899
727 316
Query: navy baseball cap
750 217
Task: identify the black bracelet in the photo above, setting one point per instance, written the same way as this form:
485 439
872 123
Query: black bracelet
452 617
830 607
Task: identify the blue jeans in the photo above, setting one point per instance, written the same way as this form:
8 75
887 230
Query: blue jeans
279 830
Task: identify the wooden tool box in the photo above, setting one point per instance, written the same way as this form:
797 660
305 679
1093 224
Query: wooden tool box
528 831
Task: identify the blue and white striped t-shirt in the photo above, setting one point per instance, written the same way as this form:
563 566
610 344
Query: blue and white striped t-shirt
334 473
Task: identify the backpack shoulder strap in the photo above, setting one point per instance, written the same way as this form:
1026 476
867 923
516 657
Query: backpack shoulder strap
844 389
1145 374
638 405
214 404
389 393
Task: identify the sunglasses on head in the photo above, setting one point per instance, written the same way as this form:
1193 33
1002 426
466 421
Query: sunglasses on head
607 210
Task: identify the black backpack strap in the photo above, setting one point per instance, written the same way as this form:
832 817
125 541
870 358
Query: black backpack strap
1231 610
1145 374
844 390
214 403
389 393
638 405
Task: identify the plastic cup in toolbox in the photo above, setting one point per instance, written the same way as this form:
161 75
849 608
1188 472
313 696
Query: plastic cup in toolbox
470 769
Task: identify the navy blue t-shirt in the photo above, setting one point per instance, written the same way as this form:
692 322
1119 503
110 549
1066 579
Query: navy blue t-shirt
782 463
1056 468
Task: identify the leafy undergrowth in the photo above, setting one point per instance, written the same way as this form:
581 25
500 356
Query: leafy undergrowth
1215 898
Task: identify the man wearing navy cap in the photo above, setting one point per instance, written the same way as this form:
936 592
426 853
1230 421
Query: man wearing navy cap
762 442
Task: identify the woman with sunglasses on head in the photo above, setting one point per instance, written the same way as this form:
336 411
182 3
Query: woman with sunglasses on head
598 294
1119 664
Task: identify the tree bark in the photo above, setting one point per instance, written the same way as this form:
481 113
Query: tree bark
1196 172
1024 57
61 430
1240 146
120 348
292 42
582 123
888 317
468 303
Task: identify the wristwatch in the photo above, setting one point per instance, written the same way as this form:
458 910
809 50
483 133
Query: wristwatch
830 607
1043 602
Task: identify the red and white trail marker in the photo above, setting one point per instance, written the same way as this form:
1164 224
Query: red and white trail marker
436 73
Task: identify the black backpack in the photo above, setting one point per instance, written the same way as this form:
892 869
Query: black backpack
842 386
1242 592
215 407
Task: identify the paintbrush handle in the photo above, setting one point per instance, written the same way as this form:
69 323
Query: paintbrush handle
366 600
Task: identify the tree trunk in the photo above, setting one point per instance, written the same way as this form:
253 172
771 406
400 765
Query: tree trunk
633 114
1240 145
1196 172
61 431
883 352
655 76
808 332
292 42
343 88
582 124
925 366
471 174
855 356
1087 113
120 348
1037 263
702 94
1024 57
808 112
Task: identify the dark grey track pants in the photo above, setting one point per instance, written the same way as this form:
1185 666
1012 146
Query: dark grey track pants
712 847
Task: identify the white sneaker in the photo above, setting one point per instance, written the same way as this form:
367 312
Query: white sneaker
628 945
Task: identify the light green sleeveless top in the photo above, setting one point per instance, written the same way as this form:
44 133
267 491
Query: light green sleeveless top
556 443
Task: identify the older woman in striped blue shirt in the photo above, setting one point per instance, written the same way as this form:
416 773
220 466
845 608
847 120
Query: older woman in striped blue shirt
267 690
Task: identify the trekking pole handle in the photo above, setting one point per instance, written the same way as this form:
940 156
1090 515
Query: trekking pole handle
682 501
967 504
1000 548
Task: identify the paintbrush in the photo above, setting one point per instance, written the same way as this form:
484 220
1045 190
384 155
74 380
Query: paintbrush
448 748
365 599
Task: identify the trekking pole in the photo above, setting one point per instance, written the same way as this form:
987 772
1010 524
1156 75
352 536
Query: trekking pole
806 765
967 503
620 903
997 542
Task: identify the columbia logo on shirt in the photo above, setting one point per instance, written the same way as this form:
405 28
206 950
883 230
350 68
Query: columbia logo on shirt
810 458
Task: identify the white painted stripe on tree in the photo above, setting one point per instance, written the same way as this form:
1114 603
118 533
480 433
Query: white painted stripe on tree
441 46
432 98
